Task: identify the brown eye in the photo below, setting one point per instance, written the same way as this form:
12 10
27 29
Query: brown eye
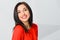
25 9
18 12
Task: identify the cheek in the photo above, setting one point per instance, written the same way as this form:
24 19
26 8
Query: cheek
19 15
28 14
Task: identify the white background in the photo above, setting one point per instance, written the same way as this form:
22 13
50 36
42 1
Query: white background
46 15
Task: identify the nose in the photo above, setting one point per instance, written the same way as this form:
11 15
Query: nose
23 12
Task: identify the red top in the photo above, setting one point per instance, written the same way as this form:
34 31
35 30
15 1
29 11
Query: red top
20 34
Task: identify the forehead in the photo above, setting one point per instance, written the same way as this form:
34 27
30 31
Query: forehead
20 7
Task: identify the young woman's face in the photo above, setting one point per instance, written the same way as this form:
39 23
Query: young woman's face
23 13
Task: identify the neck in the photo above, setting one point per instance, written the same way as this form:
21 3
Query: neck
27 24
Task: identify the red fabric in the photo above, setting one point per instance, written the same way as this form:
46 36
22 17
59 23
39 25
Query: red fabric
20 34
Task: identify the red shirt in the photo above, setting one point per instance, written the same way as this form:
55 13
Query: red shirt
20 34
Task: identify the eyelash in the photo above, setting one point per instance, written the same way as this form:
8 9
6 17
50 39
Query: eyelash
25 9
18 12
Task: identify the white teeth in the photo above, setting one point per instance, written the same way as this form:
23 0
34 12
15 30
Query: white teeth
24 16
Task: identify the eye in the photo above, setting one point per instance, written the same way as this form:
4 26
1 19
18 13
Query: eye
18 12
25 9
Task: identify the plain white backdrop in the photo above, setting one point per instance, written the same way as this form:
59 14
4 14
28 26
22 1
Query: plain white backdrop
46 14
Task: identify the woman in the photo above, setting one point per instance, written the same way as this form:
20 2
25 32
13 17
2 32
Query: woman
24 28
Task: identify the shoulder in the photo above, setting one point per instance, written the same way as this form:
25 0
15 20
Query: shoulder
17 32
18 28
34 25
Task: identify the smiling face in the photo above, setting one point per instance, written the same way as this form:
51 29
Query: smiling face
23 13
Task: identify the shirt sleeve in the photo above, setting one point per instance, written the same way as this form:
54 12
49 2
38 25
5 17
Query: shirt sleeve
36 29
17 33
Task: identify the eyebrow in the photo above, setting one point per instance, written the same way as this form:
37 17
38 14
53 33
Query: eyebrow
23 8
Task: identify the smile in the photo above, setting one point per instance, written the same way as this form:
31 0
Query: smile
24 17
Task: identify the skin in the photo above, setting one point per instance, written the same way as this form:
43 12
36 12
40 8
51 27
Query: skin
23 14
